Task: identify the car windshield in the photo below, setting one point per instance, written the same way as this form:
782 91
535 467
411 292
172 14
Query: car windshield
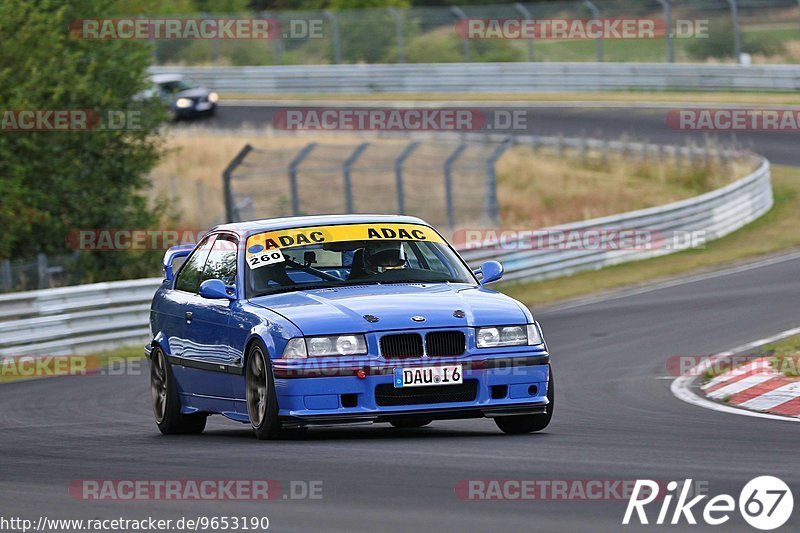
353 254
176 86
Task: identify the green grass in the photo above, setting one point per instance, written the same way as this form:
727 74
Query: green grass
73 365
785 356
773 232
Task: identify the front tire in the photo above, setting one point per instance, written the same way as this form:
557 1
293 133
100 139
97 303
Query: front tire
262 403
166 403
520 424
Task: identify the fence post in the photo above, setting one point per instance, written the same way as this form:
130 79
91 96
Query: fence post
492 211
337 47
41 271
293 166
527 14
448 183
346 168
398 30
598 43
214 45
398 176
458 12
668 28
275 35
5 274
737 38
226 181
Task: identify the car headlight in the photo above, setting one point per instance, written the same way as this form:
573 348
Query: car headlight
213 97
183 103
300 347
496 336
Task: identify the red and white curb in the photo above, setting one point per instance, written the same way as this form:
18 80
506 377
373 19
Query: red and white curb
756 386
754 389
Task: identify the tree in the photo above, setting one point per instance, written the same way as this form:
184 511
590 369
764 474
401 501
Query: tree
52 182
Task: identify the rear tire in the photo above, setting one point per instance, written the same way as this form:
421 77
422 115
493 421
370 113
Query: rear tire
520 424
166 402
411 423
262 403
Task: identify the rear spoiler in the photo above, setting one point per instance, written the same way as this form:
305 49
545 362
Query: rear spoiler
182 250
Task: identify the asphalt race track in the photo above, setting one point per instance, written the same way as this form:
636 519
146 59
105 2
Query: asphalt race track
615 420
637 123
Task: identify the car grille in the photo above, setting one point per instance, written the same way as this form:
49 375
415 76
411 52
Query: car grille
401 346
444 343
386 395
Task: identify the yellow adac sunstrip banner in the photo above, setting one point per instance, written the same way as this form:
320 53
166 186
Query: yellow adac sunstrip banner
264 248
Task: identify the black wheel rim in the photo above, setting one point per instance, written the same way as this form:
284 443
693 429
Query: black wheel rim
158 385
256 388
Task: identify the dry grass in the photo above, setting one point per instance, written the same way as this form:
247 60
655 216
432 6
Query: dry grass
190 173
535 188
773 232
542 189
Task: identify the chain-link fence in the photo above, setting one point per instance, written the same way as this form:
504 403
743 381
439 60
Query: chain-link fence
42 272
446 183
764 30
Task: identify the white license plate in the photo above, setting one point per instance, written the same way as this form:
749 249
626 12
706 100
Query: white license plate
421 376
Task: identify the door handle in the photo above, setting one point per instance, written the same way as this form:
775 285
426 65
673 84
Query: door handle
189 316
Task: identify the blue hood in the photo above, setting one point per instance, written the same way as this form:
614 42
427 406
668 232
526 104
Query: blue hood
342 310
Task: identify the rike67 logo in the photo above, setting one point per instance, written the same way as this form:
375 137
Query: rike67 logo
766 503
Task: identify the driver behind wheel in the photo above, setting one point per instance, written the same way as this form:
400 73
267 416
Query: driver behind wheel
383 256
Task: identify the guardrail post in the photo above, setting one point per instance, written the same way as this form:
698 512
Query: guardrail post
5 275
293 166
398 30
668 28
458 12
398 176
492 210
337 46
527 14
346 169
598 43
226 182
448 183
41 271
737 38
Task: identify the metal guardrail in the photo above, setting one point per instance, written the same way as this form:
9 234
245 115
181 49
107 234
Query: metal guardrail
490 77
86 318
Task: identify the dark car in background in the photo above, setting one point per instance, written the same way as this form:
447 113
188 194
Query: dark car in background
183 97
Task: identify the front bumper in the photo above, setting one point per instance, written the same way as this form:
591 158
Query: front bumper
498 386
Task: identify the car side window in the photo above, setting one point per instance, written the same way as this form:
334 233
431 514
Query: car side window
189 276
221 263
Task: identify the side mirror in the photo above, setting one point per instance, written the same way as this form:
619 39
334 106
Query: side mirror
214 289
176 252
491 271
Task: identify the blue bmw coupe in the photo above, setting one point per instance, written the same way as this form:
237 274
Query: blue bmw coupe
324 320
